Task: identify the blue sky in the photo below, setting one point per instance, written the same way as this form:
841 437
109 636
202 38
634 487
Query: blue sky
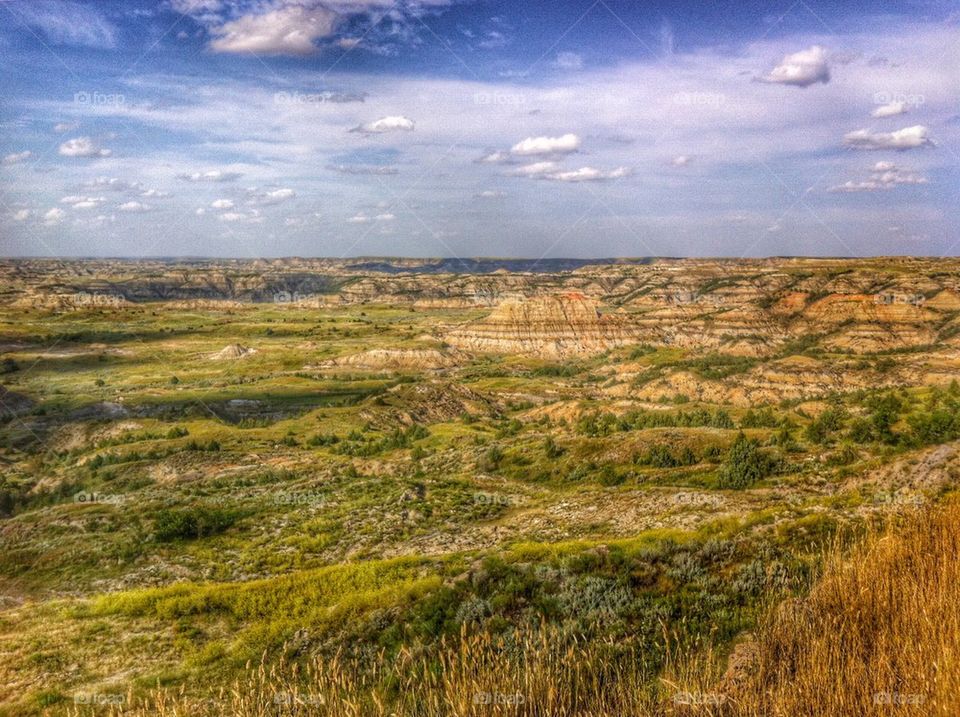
478 128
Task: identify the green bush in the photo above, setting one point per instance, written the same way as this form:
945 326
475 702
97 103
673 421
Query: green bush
191 523
745 464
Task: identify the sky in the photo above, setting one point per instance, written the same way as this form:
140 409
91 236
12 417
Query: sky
511 128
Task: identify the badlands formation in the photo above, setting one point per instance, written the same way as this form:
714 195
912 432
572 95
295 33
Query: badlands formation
567 324
306 460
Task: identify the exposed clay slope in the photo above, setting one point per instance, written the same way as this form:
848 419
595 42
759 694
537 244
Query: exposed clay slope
568 324
395 360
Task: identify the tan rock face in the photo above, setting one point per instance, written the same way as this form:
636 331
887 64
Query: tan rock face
568 324
396 360
233 351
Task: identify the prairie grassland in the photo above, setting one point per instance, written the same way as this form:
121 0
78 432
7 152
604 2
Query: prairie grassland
876 635
186 492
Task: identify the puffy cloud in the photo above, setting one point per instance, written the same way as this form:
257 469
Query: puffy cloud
134 207
17 157
82 147
902 139
361 218
394 123
223 204
79 202
535 169
494 158
214 175
885 175
275 196
289 30
552 170
801 69
62 127
681 160
586 174
375 169
114 183
891 109
532 146
155 194
251 216
53 216
21 215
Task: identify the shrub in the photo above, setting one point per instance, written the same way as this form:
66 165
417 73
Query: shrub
492 458
745 464
191 523
824 428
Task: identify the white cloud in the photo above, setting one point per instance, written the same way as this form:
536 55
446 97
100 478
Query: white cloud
902 139
53 216
132 206
62 127
275 196
587 174
393 123
489 194
358 219
17 157
289 30
252 216
114 183
385 217
222 204
546 145
21 215
891 109
82 147
552 170
155 194
885 175
535 169
494 157
801 69
79 202
196 7
681 160
214 175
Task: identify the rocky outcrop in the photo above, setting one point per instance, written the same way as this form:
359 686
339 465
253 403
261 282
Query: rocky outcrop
396 360
231 352
557 326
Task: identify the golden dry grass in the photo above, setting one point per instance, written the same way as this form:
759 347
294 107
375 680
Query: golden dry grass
877 635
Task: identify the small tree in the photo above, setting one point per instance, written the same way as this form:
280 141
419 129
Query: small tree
745 464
